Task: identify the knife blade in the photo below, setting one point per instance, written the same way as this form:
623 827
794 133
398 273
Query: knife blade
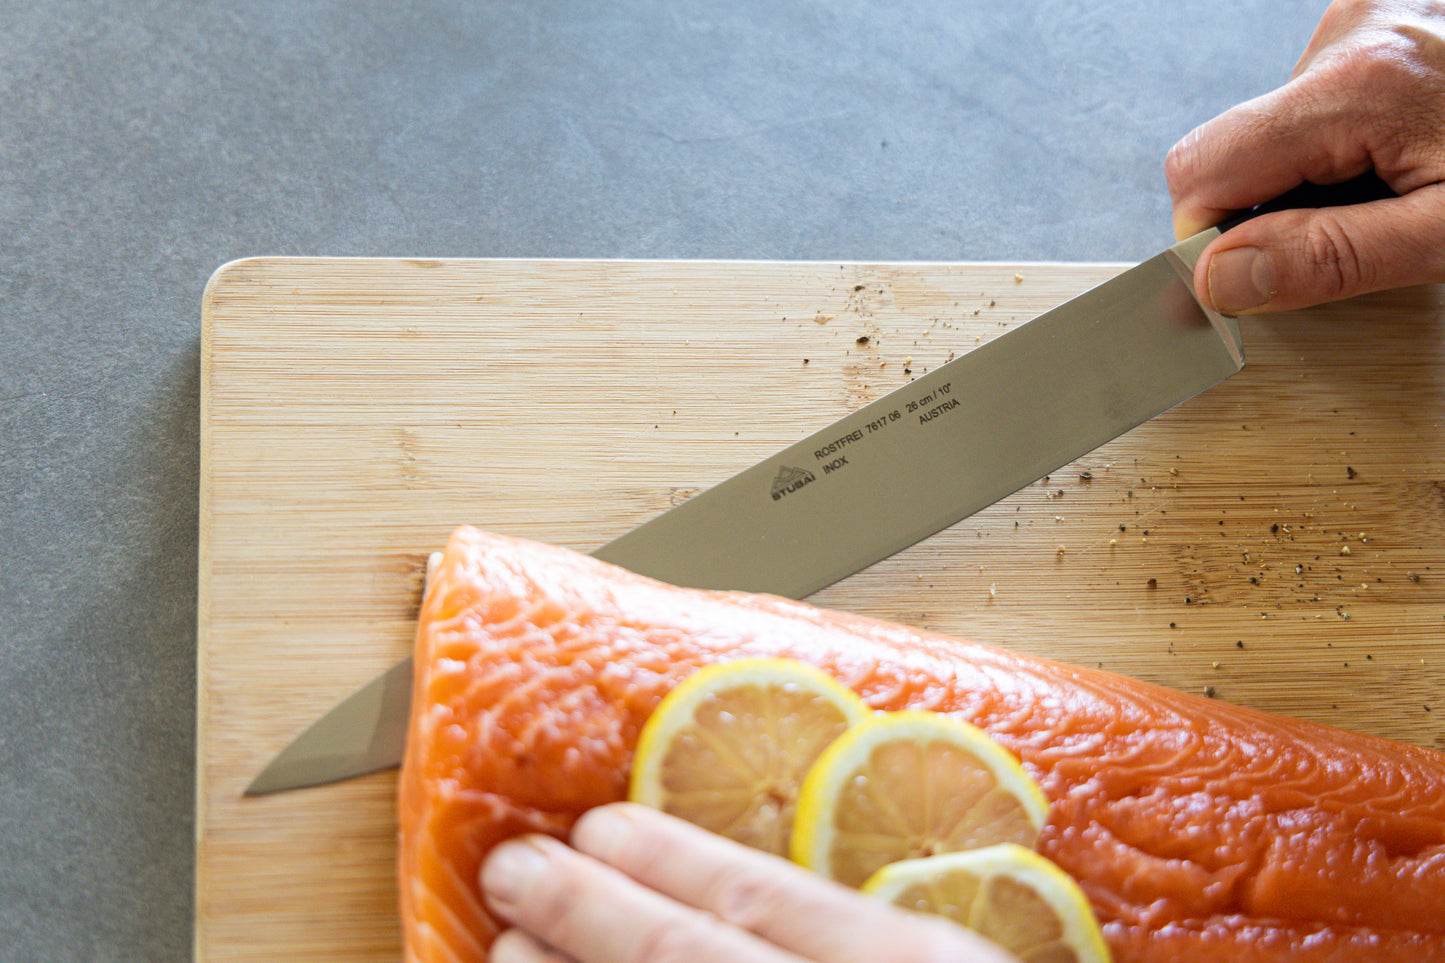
896 470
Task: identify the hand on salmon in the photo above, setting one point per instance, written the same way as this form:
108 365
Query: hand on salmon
642 887
1199 831
1368 92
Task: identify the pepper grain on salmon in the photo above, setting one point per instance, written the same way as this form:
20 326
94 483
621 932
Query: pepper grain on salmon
1200 831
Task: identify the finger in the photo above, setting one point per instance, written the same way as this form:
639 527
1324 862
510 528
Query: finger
1258 151
519 946
595 914
1295 259
799 911
1365 94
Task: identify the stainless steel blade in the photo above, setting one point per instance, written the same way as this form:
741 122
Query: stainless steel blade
891 473
366 732
951 442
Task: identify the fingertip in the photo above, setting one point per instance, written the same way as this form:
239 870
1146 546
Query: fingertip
511 868
518 946
1187 224
1201 280
1189 218
602 831
1240 280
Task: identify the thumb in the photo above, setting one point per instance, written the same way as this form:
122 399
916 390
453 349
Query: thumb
1296 259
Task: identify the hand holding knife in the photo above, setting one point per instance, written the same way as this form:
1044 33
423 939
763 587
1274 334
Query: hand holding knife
897 470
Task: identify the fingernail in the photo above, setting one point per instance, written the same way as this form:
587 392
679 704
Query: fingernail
600 832
1240 279
515 946
1186 225
510 870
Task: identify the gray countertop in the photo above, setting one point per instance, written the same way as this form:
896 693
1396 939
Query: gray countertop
143 143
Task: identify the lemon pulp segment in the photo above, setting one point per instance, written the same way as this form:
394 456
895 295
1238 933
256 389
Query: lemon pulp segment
727 749
1006 893
910 784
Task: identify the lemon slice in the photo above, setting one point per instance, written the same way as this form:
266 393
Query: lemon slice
727 749
901 785
1006 893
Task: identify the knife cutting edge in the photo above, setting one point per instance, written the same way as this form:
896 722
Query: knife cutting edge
898 469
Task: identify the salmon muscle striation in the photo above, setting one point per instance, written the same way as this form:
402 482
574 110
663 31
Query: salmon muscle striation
1199 830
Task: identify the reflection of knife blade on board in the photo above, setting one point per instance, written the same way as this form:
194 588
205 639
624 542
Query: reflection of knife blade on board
893 472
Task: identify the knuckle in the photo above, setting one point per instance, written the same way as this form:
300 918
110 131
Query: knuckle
1189 161
1335 265
1181 162
745 899
1382 59
1376 61
1344 14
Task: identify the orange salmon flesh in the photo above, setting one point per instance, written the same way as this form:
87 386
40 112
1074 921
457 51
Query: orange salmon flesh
1200 831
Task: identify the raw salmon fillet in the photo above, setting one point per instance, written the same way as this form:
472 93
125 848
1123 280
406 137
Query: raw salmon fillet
1200 831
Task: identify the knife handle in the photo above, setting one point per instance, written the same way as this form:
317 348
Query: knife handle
1362 190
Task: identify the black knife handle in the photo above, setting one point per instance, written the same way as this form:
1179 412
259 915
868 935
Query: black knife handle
1362 190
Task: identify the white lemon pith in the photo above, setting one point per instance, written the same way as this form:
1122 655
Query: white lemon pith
1006 893
727 749
902 785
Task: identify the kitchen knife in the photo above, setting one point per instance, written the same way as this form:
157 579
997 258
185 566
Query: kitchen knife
899 469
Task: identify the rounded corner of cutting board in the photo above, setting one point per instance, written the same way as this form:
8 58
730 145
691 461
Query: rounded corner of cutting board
228 273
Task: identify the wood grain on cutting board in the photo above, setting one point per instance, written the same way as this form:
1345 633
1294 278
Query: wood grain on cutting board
1278 541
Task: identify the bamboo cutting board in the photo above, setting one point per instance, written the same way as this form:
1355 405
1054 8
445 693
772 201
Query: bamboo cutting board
1278 541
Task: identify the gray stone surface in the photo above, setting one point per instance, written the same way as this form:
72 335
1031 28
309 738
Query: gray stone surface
143 143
